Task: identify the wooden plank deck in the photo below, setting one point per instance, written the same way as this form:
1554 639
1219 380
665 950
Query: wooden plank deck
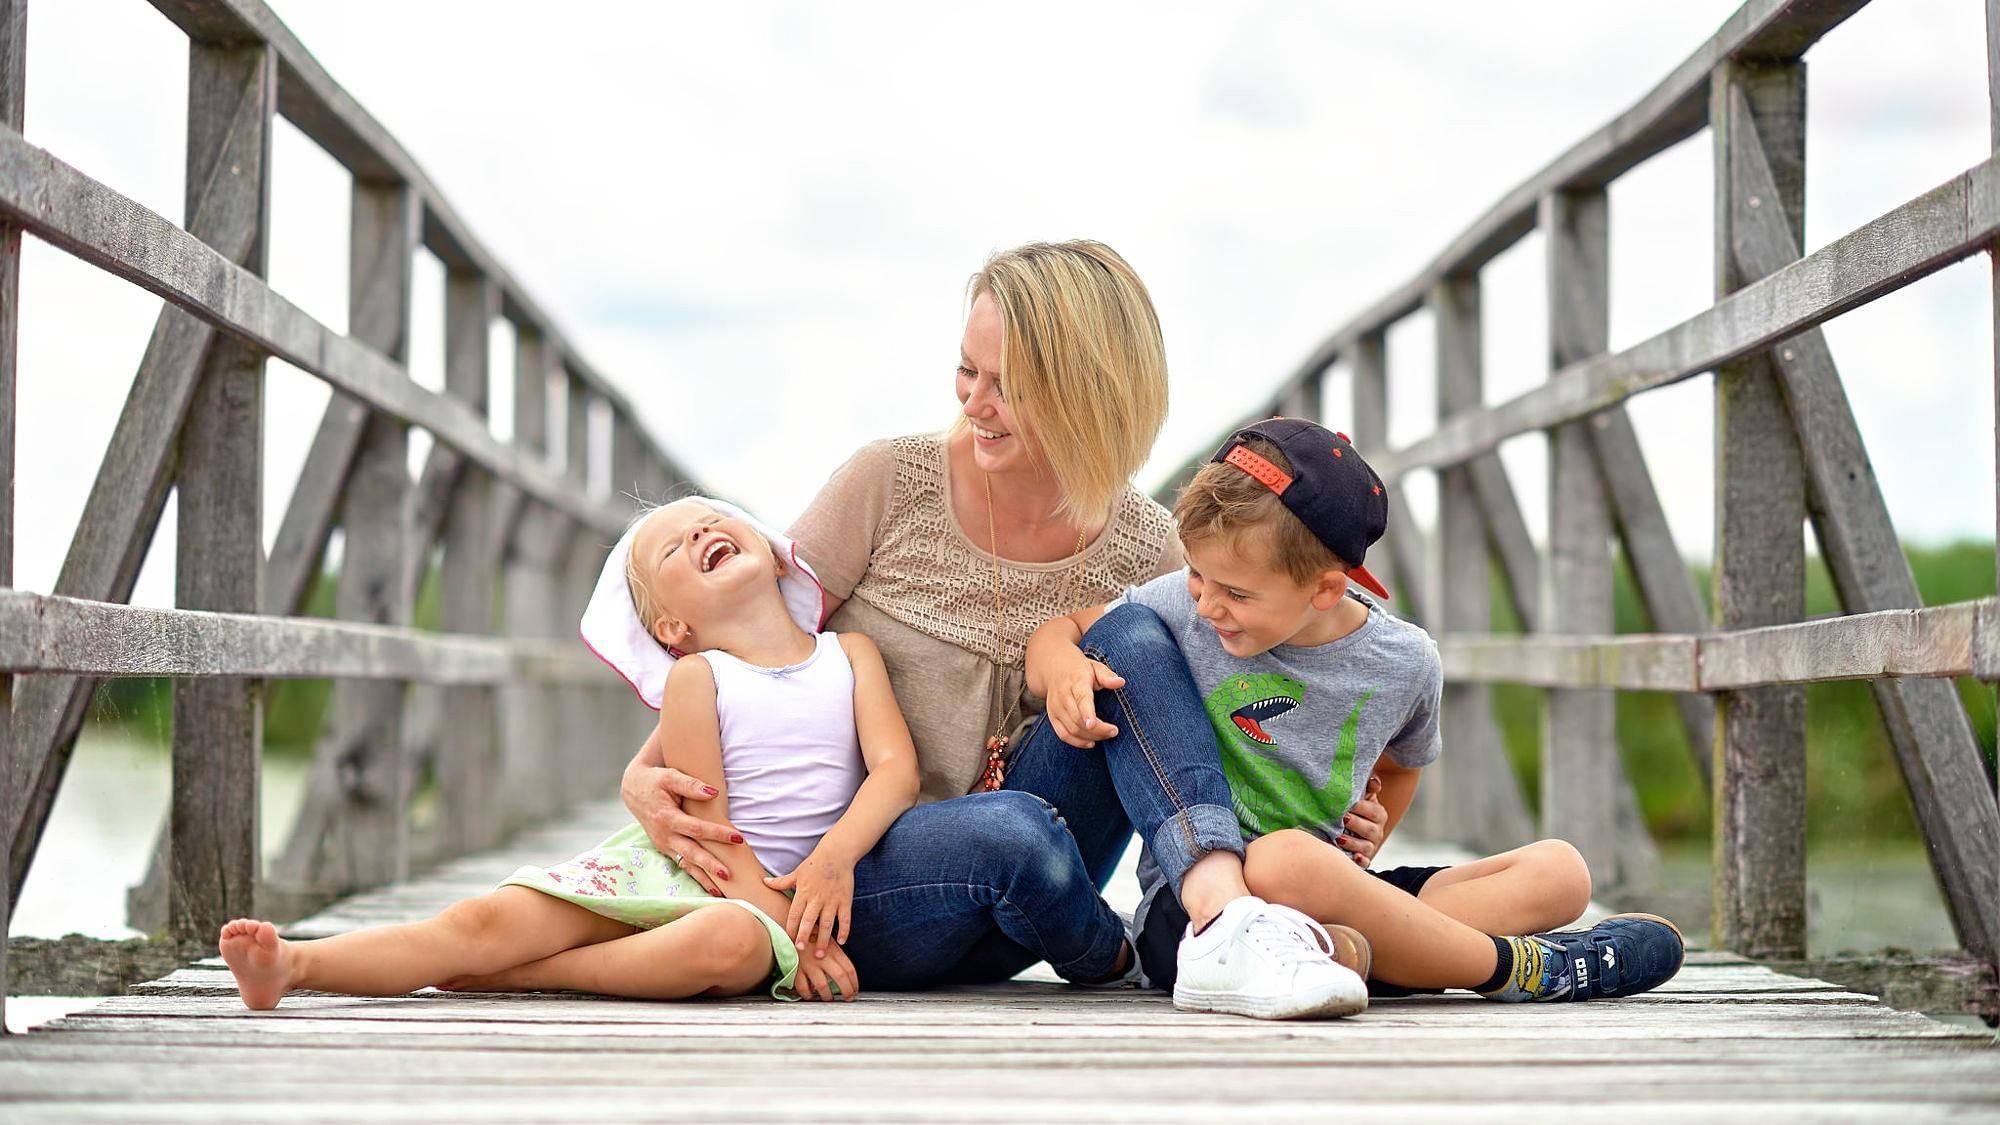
1727 1039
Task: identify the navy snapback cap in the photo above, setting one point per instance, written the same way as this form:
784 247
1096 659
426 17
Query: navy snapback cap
1330 488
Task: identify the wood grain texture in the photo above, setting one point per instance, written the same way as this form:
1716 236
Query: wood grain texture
1760 759
13 89
1582 775
1475 799
1403 542
1935 747
1950 222
116 234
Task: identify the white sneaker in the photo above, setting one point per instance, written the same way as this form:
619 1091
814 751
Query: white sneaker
1267 961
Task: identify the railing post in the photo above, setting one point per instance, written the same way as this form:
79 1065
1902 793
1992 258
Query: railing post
530 736
1760 764
370 833
1581 773
1306 399
1479 800
468 764
13 87
583 706
215 862
1369 385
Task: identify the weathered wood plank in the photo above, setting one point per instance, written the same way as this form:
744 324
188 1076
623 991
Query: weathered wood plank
314 508
468 768
1942 226
214 852
1937 642
1477 802
1404 540
13 90
116 234
1665 584
130 489
1668 114
1932 736
1581 772
1760 763
40 632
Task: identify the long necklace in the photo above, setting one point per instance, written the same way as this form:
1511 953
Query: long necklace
994 774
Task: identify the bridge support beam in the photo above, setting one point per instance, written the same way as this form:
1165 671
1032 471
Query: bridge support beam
1477 799
1760 510
13 66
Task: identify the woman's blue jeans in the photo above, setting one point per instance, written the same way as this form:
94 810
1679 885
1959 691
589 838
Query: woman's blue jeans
979 887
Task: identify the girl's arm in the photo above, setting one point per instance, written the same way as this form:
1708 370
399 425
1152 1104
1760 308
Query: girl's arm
824 882
690 730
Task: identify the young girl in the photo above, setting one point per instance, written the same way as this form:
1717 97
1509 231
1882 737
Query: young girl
714 621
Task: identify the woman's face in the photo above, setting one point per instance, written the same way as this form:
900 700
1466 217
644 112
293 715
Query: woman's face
998 446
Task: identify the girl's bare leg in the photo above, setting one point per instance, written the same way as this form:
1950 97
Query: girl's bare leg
716 951
1542 886
480 935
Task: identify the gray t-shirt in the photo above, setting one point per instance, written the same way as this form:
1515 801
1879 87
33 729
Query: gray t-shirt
1301 728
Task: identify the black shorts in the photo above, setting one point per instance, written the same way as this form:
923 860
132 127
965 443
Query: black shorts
1160 938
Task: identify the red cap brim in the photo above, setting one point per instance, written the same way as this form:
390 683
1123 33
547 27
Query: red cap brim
1368 581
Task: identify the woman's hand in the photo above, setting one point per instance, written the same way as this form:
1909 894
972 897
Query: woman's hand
654 794
823 901
1073 685
818 977
1364 826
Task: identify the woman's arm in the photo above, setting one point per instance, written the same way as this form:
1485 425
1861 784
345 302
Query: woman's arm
825 880
654 792
692 731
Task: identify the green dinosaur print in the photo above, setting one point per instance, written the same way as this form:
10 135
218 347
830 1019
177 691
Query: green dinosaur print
1268 794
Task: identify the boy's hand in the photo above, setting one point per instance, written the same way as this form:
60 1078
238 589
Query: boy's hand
1362 828
823 900
1072 700
818 979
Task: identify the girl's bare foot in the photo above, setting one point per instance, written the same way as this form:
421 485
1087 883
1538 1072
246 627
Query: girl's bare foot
260 959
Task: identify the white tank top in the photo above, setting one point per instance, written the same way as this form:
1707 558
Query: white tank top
789 752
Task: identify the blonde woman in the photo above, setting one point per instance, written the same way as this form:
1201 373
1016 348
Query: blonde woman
948 550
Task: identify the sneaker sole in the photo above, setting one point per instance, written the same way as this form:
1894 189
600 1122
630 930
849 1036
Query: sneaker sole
1342 1003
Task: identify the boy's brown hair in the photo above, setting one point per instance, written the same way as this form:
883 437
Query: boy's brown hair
1224 502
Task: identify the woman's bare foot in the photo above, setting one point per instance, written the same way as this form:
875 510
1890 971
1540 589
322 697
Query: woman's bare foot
261 960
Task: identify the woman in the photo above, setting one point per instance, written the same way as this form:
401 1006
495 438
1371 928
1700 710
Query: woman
947 551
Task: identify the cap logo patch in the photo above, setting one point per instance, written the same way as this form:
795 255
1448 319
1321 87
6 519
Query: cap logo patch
1262 471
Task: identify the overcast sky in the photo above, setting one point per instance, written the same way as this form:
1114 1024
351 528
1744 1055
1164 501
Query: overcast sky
758 219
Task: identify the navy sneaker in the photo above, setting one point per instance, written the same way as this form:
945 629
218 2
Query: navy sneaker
1620 956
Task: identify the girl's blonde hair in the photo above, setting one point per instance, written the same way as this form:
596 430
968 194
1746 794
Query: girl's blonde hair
1083 364
649 608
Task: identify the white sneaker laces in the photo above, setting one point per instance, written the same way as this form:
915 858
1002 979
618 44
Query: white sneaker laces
1287 936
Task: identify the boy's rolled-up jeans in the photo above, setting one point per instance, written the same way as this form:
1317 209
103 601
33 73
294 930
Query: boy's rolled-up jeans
979 887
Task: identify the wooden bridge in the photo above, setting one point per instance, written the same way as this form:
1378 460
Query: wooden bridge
501 719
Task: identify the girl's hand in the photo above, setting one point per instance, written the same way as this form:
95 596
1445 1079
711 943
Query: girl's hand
823 902
1072 700
818 978
654 795
1363 826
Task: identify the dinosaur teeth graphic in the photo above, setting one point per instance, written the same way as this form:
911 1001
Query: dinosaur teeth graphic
1250 717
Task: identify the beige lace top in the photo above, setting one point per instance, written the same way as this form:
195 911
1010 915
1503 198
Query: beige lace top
882 536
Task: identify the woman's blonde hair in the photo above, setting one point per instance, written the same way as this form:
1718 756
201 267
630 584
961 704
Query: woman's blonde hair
1083 363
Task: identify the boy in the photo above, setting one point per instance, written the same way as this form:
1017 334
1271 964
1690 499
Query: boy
1310 689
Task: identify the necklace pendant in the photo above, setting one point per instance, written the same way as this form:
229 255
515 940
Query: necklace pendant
995 774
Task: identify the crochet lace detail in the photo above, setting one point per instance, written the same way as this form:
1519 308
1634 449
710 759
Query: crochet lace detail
925 574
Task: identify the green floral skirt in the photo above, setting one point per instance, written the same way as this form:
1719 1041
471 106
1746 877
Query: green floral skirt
626 879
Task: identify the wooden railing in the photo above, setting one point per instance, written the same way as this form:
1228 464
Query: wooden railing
1787 449
505 713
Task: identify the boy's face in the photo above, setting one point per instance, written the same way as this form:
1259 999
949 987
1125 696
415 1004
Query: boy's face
1252 605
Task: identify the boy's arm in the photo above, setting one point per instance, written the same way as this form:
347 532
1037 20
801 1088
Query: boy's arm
690 732
1399 785
1068 681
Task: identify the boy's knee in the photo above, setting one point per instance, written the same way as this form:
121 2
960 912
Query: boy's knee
1563 872
1131 634
1275 865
